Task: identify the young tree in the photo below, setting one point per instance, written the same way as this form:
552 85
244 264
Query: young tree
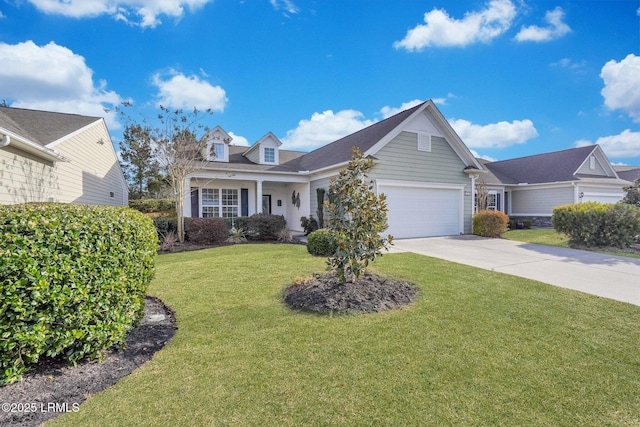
356 218
139 164
178 149
632 196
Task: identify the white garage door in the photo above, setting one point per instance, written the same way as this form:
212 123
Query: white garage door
423 212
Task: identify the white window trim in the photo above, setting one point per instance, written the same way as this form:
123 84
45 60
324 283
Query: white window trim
218 209
225 152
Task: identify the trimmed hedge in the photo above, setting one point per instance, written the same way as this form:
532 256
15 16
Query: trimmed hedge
72 281
205 231
598 224
490 223
319 243
265 226
154 205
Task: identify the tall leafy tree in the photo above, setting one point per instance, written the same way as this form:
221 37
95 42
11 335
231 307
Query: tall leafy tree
356 217
138 159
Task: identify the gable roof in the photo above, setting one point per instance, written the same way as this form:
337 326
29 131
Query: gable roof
41 127
339 151
628 173
557 166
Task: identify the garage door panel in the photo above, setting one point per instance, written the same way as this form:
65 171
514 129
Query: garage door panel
422 212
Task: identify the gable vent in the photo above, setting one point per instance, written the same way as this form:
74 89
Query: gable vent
424 142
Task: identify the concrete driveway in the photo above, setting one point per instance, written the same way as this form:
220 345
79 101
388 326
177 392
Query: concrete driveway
607 276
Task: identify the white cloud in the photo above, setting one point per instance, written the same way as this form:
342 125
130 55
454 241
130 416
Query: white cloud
622 85
53 78
180 91
147 12
570 64
623 145
495 135
287 5
556 29
442 30
239 140
485 157
323 128
387 111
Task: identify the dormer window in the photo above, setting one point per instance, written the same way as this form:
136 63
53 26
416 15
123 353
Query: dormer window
216 151
269 155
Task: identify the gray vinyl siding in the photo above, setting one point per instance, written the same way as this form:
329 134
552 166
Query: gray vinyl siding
599 170
540 201
254 155
25 178
93 173
313 197
400 160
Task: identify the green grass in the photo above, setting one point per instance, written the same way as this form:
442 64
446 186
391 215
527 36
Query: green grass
540 236
551 237
477 348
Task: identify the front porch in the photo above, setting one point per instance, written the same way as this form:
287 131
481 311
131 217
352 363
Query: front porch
231 198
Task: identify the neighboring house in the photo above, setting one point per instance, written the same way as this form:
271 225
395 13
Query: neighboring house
423 167
532 186
55 157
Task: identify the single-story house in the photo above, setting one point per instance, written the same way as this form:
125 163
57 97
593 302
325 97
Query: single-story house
421 164
55 157
532 186
426 171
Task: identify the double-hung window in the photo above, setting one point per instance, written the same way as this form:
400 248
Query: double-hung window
216 152
229 203
269 155
210 202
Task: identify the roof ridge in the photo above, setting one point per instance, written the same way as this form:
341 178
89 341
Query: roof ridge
545 154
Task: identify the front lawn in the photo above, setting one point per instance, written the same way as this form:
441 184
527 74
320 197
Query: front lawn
477 348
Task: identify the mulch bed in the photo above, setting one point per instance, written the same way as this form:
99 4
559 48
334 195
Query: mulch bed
52 387
370 293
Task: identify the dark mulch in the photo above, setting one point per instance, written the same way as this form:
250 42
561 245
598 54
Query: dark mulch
370 293
52 387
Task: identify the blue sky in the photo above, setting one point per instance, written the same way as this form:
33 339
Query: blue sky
513 77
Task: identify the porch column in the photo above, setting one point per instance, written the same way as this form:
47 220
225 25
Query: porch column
258 196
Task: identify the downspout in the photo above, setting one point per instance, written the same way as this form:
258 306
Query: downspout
6 139
473 198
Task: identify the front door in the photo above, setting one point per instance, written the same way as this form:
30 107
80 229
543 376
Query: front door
266 203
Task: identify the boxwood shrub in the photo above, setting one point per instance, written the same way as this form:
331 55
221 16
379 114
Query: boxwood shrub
598 224
490 223
206 231
265 226
72 281
319 243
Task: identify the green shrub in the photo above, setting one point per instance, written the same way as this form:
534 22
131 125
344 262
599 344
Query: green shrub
167 206
309 225
265 226
165 226
490 223
241 222
319 243
598 224
205 231
72 281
